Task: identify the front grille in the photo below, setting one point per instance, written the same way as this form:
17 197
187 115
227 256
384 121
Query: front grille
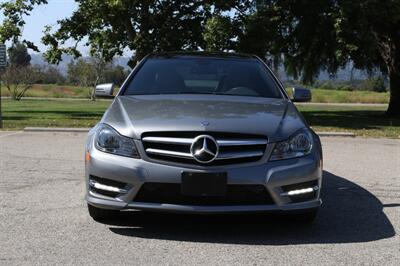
170 193
175 147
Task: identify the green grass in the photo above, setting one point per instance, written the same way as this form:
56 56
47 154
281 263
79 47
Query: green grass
339 96
53 91
52 113
363 121
318 95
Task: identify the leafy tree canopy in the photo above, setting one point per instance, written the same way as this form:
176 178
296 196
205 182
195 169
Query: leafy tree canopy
218 33
13 22
326 34
306 35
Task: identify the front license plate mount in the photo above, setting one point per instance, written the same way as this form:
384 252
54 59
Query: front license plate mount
204 184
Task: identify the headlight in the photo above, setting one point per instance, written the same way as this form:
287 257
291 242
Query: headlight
298 145
109 140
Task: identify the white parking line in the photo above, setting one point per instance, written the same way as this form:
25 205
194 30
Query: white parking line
10 134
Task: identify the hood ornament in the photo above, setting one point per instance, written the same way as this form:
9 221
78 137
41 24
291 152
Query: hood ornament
204 149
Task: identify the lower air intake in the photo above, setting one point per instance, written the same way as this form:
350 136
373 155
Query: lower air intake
171 194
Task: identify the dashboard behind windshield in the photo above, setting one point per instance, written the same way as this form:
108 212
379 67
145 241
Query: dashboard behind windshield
203 75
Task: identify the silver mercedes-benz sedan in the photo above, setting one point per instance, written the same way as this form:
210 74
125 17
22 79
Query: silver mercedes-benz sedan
203 133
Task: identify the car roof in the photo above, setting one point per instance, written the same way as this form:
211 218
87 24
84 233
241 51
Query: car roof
183 54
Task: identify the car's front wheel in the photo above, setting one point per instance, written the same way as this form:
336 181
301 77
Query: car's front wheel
101 214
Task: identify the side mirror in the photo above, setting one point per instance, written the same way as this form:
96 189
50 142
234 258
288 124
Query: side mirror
105 90
301 95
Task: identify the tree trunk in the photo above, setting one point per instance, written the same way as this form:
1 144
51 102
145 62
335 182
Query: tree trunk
93 94
394 102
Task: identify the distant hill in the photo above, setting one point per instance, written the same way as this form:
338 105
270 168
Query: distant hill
37 59
342 74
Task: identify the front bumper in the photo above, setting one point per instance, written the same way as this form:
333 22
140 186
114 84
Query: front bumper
136 172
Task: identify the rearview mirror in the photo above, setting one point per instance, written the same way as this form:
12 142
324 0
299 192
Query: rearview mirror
301 95
105 90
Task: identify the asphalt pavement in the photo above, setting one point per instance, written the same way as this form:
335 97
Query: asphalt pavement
44 220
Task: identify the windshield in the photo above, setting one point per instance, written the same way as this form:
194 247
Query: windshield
202 75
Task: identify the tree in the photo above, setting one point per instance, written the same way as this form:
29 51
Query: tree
140 26
87 73
82 73
114 74
98 64
259 32
18 55
13 22
368 33
19 76
217 34
51 75
18 80
326 35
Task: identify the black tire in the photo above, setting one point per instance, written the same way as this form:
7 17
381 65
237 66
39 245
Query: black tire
101 214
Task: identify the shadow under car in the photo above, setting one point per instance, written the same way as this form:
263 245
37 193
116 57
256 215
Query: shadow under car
349 214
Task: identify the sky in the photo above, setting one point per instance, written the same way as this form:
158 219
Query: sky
47 15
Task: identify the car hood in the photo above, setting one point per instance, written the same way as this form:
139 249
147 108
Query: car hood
133 115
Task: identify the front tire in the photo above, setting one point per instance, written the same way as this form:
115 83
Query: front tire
101 214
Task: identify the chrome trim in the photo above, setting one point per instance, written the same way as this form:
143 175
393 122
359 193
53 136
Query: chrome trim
205 149
238 155
187 142
224 142
221 156
168 140
94 194
244 142
170 153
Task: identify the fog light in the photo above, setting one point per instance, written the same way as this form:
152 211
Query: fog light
300 191
105 187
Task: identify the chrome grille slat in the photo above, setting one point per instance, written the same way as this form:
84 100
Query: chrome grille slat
238 155
175 147
168 140
221 156
169 153
241 142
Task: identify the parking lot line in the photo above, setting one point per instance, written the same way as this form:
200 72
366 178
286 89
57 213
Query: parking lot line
10 134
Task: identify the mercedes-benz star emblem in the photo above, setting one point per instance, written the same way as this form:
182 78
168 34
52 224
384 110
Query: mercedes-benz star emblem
204 149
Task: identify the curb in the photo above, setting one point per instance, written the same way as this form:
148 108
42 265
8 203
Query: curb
81 129
336 134
56 129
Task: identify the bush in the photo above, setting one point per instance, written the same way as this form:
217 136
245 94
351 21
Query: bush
346 88
19 79
373 84
327 86
51 75
378 85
